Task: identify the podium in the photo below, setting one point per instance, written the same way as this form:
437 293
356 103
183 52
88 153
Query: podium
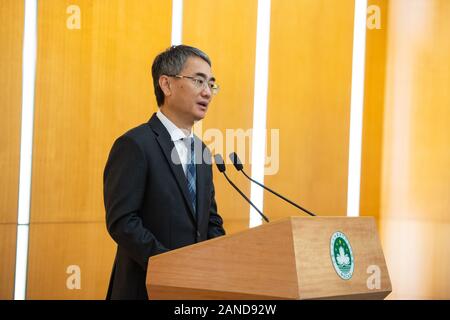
292 258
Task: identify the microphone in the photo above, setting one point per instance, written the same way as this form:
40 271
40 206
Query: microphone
221 166
239 167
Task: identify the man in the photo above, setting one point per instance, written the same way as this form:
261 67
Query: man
158 192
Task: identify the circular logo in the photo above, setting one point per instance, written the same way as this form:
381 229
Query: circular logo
342 255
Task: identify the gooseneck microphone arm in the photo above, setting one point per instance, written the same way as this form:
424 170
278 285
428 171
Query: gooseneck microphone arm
279 195
245 197
221 166
238 165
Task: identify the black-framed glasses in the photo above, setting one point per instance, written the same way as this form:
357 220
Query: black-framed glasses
200 83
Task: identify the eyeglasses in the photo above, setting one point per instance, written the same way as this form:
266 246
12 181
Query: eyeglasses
201 83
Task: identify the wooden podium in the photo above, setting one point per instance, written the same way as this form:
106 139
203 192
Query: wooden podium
292 258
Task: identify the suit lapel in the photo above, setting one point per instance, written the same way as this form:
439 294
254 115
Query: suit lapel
201 176
167 145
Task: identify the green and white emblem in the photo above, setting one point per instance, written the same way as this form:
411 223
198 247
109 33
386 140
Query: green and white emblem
342 255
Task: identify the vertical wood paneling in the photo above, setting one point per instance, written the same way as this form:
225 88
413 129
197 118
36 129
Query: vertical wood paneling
11 41
226 31
92 85
8 259
372 140
309 102
56 246
415 188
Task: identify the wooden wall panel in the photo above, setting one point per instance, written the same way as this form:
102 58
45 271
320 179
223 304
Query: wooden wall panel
227 33
415 188
309 102
11 39
8 259
11 44
372 139
93 84
56 246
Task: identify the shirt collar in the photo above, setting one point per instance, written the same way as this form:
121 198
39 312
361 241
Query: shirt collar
174 132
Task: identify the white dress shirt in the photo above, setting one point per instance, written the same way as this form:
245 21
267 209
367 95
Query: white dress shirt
177 136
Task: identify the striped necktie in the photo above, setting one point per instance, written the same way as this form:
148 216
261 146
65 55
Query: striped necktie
191 173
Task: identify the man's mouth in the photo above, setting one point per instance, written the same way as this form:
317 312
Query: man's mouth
203 104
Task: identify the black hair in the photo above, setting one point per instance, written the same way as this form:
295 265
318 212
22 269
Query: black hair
171 62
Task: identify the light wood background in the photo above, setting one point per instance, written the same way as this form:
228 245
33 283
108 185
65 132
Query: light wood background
309 102
92 85
227 34
406 157
11 35
95 83
372 136
415 175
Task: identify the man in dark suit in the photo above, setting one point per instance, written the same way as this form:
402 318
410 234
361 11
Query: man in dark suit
158 186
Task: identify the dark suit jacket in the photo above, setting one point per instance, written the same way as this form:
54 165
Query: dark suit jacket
147 206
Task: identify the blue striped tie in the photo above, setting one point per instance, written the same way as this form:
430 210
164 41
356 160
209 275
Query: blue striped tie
191 174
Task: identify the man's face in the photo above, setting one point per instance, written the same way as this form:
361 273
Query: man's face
187 100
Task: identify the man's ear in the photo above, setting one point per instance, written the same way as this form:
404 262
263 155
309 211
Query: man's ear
165 85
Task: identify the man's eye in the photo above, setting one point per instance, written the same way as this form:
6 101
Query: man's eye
199 81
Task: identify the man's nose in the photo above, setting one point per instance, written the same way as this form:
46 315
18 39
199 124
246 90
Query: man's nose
206 92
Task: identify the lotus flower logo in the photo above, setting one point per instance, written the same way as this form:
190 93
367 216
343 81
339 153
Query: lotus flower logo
341 255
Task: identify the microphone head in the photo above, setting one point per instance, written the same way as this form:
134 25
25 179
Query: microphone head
236 161
219 162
